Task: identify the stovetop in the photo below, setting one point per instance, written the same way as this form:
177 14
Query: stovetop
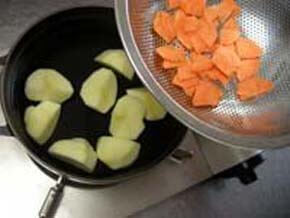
23 186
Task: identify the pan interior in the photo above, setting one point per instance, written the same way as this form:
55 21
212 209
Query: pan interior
68 42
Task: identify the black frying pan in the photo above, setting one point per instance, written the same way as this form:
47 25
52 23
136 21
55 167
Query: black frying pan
68 42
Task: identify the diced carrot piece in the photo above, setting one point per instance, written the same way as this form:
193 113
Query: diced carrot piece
186 80
201 63
207 94
231 24
179 23
216 75
172 64
231 47
207 32
174 4
215 47
248 69
184 39
253 87
229 36
216 23
211 13
179 20
185 73
198 45
226 60
163 26
193 56
248 49
171 53
191 24
176 81
193 7
228 8
230 32
190 90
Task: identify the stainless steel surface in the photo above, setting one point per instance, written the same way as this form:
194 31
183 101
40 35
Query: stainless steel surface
52 199
220 157
269 197
264 123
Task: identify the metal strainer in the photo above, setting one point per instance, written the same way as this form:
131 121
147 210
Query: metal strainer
262 123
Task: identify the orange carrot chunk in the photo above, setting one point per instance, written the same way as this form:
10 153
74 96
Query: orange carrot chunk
163 26
228 8
230 32
247 49
248 69
179 25
193 7
191 24
253 87
207 32
229 36
226 60
186 79
190 90
174 4
215 75
185 73
172 64
198 45
185 40
211 13
200 63
231 24
171 53
207 94
179 20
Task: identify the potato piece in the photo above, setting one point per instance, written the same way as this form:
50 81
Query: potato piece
99 91
77 152
117 153
127 118
154 110
48 85
118 60
41 120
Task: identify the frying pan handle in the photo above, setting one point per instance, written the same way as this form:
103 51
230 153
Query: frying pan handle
52 199
3 57
4 130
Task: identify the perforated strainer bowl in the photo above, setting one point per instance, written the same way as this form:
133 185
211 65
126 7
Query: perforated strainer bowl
262 123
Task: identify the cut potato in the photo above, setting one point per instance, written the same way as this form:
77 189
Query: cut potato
118 60
117 153
41 120
127 118
154 110
99 91
48 85
77 152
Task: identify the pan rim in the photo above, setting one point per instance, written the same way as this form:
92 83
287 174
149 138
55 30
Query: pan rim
35 157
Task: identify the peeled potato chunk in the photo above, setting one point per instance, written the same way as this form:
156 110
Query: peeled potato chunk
118 60
154 110
77 152
99 91
127 118
117 153
41 120
48 85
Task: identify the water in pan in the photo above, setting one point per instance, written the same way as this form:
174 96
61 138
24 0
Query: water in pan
264 21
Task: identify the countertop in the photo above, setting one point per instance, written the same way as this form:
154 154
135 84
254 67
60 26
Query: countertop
268 197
